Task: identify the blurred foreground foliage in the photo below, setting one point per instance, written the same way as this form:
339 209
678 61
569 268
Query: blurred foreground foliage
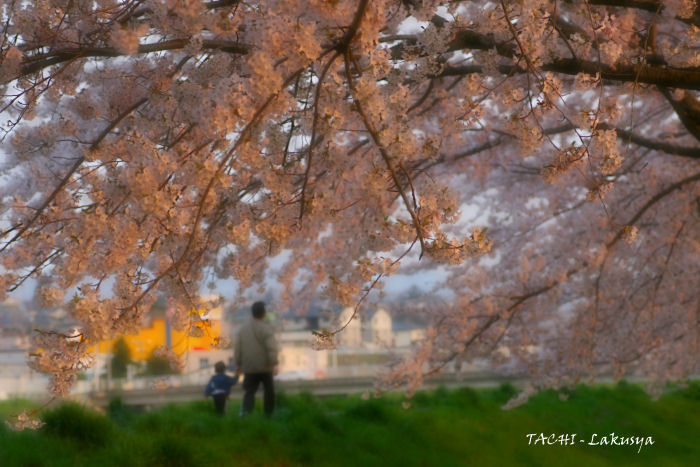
440 427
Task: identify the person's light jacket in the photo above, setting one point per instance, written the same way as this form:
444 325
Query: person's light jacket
256 347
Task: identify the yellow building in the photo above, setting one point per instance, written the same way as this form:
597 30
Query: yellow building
161 333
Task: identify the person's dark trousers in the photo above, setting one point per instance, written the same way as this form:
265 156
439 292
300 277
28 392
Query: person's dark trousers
251 381
219 403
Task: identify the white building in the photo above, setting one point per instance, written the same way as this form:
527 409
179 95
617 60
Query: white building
297 359
351 336
406 334
367 337
377 329
16 378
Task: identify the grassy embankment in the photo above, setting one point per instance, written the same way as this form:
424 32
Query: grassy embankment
440 428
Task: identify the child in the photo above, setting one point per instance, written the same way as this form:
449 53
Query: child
219 387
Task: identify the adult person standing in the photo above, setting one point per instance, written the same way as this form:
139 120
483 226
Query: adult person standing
256 357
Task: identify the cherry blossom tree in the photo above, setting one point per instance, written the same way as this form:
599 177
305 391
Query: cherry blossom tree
545 154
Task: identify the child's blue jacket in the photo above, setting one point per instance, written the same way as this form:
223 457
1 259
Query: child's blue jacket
220 383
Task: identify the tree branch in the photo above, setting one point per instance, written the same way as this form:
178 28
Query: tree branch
76 165
681 78
385 155
653 200
38 62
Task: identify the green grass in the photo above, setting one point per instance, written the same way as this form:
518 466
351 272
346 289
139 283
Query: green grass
440 428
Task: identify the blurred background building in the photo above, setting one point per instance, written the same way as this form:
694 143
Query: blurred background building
371 338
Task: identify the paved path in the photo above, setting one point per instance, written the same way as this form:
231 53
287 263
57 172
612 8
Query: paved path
149 398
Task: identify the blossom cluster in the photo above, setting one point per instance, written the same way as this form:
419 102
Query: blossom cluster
24 420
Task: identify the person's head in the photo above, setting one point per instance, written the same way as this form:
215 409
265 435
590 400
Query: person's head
219 367
258 310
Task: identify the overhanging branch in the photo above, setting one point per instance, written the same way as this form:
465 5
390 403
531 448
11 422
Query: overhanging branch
38 62
680 78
